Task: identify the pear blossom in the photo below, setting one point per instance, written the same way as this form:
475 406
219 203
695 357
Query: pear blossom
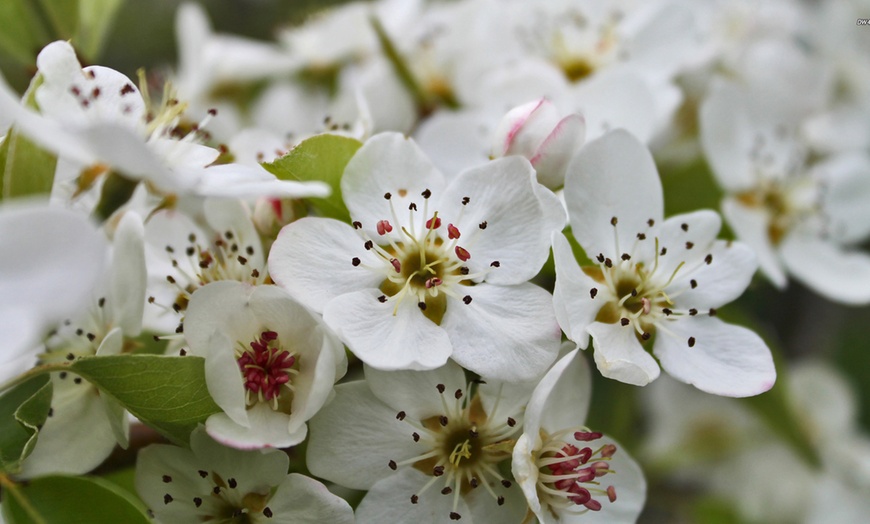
83 426
50 258
801 218
427 272
425 444
269 363
652 276
567 472
212 483
98 119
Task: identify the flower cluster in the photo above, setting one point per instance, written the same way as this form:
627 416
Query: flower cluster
358 273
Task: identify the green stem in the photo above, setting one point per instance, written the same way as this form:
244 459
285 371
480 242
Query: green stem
34 372
13 490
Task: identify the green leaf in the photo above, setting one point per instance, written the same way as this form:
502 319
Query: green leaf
23 410
62 16
95 20
23 34
25 168
73 500
321 157
167 393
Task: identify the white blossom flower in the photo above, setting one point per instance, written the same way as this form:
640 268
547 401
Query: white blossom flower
430 270
83 425
50 258
405 436
567 472
652 276
798 217
269 363
211 483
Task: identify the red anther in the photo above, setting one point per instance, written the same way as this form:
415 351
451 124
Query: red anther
435 225
585 475
608 450
587 436
611 493
593 505
384 227
462 253
396 264
580 495
585 455
432 282
601 468
452 232
269 335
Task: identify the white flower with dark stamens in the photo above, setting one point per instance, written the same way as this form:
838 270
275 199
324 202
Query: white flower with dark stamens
211 483
429 270
568 472
97 118
269 363
800 217
653 277
50 259
184 256
83 425
425 444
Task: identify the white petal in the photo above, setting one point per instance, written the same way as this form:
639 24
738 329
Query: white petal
222 376
724 359
415 392
314 383
618 98
387 163
719 282
506 332
561 399
129 274
846 180
686 239
613 176
389 500
385 336
750 225
839 275
267 428
619 355
251 469
354 437
303 500
240 181
572 299
312 260
824 398
485 509
525 472
501 193
455 140
726 136
225 214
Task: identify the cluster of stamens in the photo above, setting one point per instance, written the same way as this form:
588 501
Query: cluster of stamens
636 294
421 261
223 502
568 475
196 266
462 447
267 369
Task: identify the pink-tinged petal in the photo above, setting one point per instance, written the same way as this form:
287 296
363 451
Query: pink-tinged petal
573 299
511 125
556 151
525 131
389 500
619 355
387 336
416 392
613 177
303 500
829 270
715 357
267 428
355 436
504 332
751 226
388 163
727 136
312 258
504 202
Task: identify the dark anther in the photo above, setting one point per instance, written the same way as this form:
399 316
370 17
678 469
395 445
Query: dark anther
712 312
77 380
369 244
170 279
414 499
457 394
190 251
473 433
467 299
216 490
455 516
422 306
438 471
255 273
613 221
693 312
267 512
666 311
645 335
382 299
500 500
426 193
416 436
443 420
689 245
684 227
388 196
440 388
70 356
691 342
400 415
393 465
626 256
474 482
634 292
641 236
506 483
463 270
495 263
593 292
482 225
600 258
127 89
242 260
232 483
511 422
62 374
182 352
202 473
167 498
651 222
212 112
624 321
412 206
167 479
355 261
708 259
693 283
447 490
465 201
197 501
664 251
608 262
249 250
357 224
101 302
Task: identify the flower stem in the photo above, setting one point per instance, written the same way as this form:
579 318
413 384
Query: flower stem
33 372
12 488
